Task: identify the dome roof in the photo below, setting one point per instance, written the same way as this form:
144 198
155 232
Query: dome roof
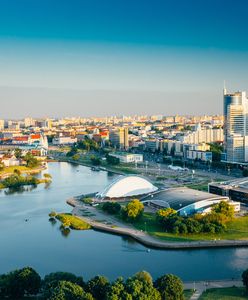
127 186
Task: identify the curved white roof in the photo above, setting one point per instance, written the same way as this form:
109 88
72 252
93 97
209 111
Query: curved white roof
127 186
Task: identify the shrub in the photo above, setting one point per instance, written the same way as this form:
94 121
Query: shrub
87 200
111 207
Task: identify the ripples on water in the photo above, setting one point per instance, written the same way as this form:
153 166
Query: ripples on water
28 238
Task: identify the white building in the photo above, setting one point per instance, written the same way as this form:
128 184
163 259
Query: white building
64 140
128 157
127 186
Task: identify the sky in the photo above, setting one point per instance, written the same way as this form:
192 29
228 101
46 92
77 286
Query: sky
120 57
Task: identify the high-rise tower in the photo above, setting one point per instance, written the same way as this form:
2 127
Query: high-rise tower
235 126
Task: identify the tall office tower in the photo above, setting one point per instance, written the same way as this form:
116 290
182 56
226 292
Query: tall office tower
119 138
236 126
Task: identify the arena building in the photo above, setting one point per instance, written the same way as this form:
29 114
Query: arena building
185 201
126 187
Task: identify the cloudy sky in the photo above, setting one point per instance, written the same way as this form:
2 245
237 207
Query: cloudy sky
108 57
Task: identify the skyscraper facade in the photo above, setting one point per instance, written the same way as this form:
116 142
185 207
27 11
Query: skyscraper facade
236 126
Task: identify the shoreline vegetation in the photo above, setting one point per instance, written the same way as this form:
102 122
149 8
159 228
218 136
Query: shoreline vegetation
17 180
26 283
148 232
144 232
69 221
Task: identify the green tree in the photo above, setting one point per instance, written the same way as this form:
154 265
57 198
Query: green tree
245 172
66 290
98 287
224 208
133 210
216 150
116 290
47 176
144 276
245 279
111 207
31 161
76 157
17 172
95 160
165 213
21 282
18 153
111 160
141 289
170 287
51 281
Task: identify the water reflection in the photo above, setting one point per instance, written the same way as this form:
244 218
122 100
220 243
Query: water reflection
41 246
65 231
19 190
53 221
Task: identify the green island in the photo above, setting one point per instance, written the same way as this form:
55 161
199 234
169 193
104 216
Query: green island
69 221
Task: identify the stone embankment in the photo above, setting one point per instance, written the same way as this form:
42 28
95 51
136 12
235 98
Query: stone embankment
116 227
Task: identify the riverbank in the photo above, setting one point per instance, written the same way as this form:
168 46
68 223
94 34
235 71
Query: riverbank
103 222
23 170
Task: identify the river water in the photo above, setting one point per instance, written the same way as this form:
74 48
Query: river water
27 238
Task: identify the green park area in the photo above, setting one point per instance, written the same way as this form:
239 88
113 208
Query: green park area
236 229
165 224
232 293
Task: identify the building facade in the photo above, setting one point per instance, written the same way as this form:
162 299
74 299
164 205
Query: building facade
236 126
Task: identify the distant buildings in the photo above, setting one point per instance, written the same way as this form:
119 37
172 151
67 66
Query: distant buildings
236 126
64 140
119 138
203 135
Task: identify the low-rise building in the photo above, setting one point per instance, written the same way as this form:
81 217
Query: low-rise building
128 157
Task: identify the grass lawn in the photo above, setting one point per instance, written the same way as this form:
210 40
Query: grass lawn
233 293
73 221
187 294
11 169
236 229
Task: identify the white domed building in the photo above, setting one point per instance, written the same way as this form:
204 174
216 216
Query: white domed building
127 186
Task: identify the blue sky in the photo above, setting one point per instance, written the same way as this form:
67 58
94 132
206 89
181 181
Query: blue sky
97 57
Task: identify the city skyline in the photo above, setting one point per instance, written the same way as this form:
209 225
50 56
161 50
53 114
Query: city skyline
96 59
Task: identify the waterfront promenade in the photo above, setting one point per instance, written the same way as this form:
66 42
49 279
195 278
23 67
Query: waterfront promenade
107 223
200 286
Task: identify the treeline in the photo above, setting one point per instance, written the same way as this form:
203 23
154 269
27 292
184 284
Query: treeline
67 286
131 212
212 222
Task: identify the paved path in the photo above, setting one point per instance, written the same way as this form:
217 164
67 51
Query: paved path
104 222
201 286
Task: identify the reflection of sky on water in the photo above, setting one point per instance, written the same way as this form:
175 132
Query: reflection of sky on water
45 247
240 259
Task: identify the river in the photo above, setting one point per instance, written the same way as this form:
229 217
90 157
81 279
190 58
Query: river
27 238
